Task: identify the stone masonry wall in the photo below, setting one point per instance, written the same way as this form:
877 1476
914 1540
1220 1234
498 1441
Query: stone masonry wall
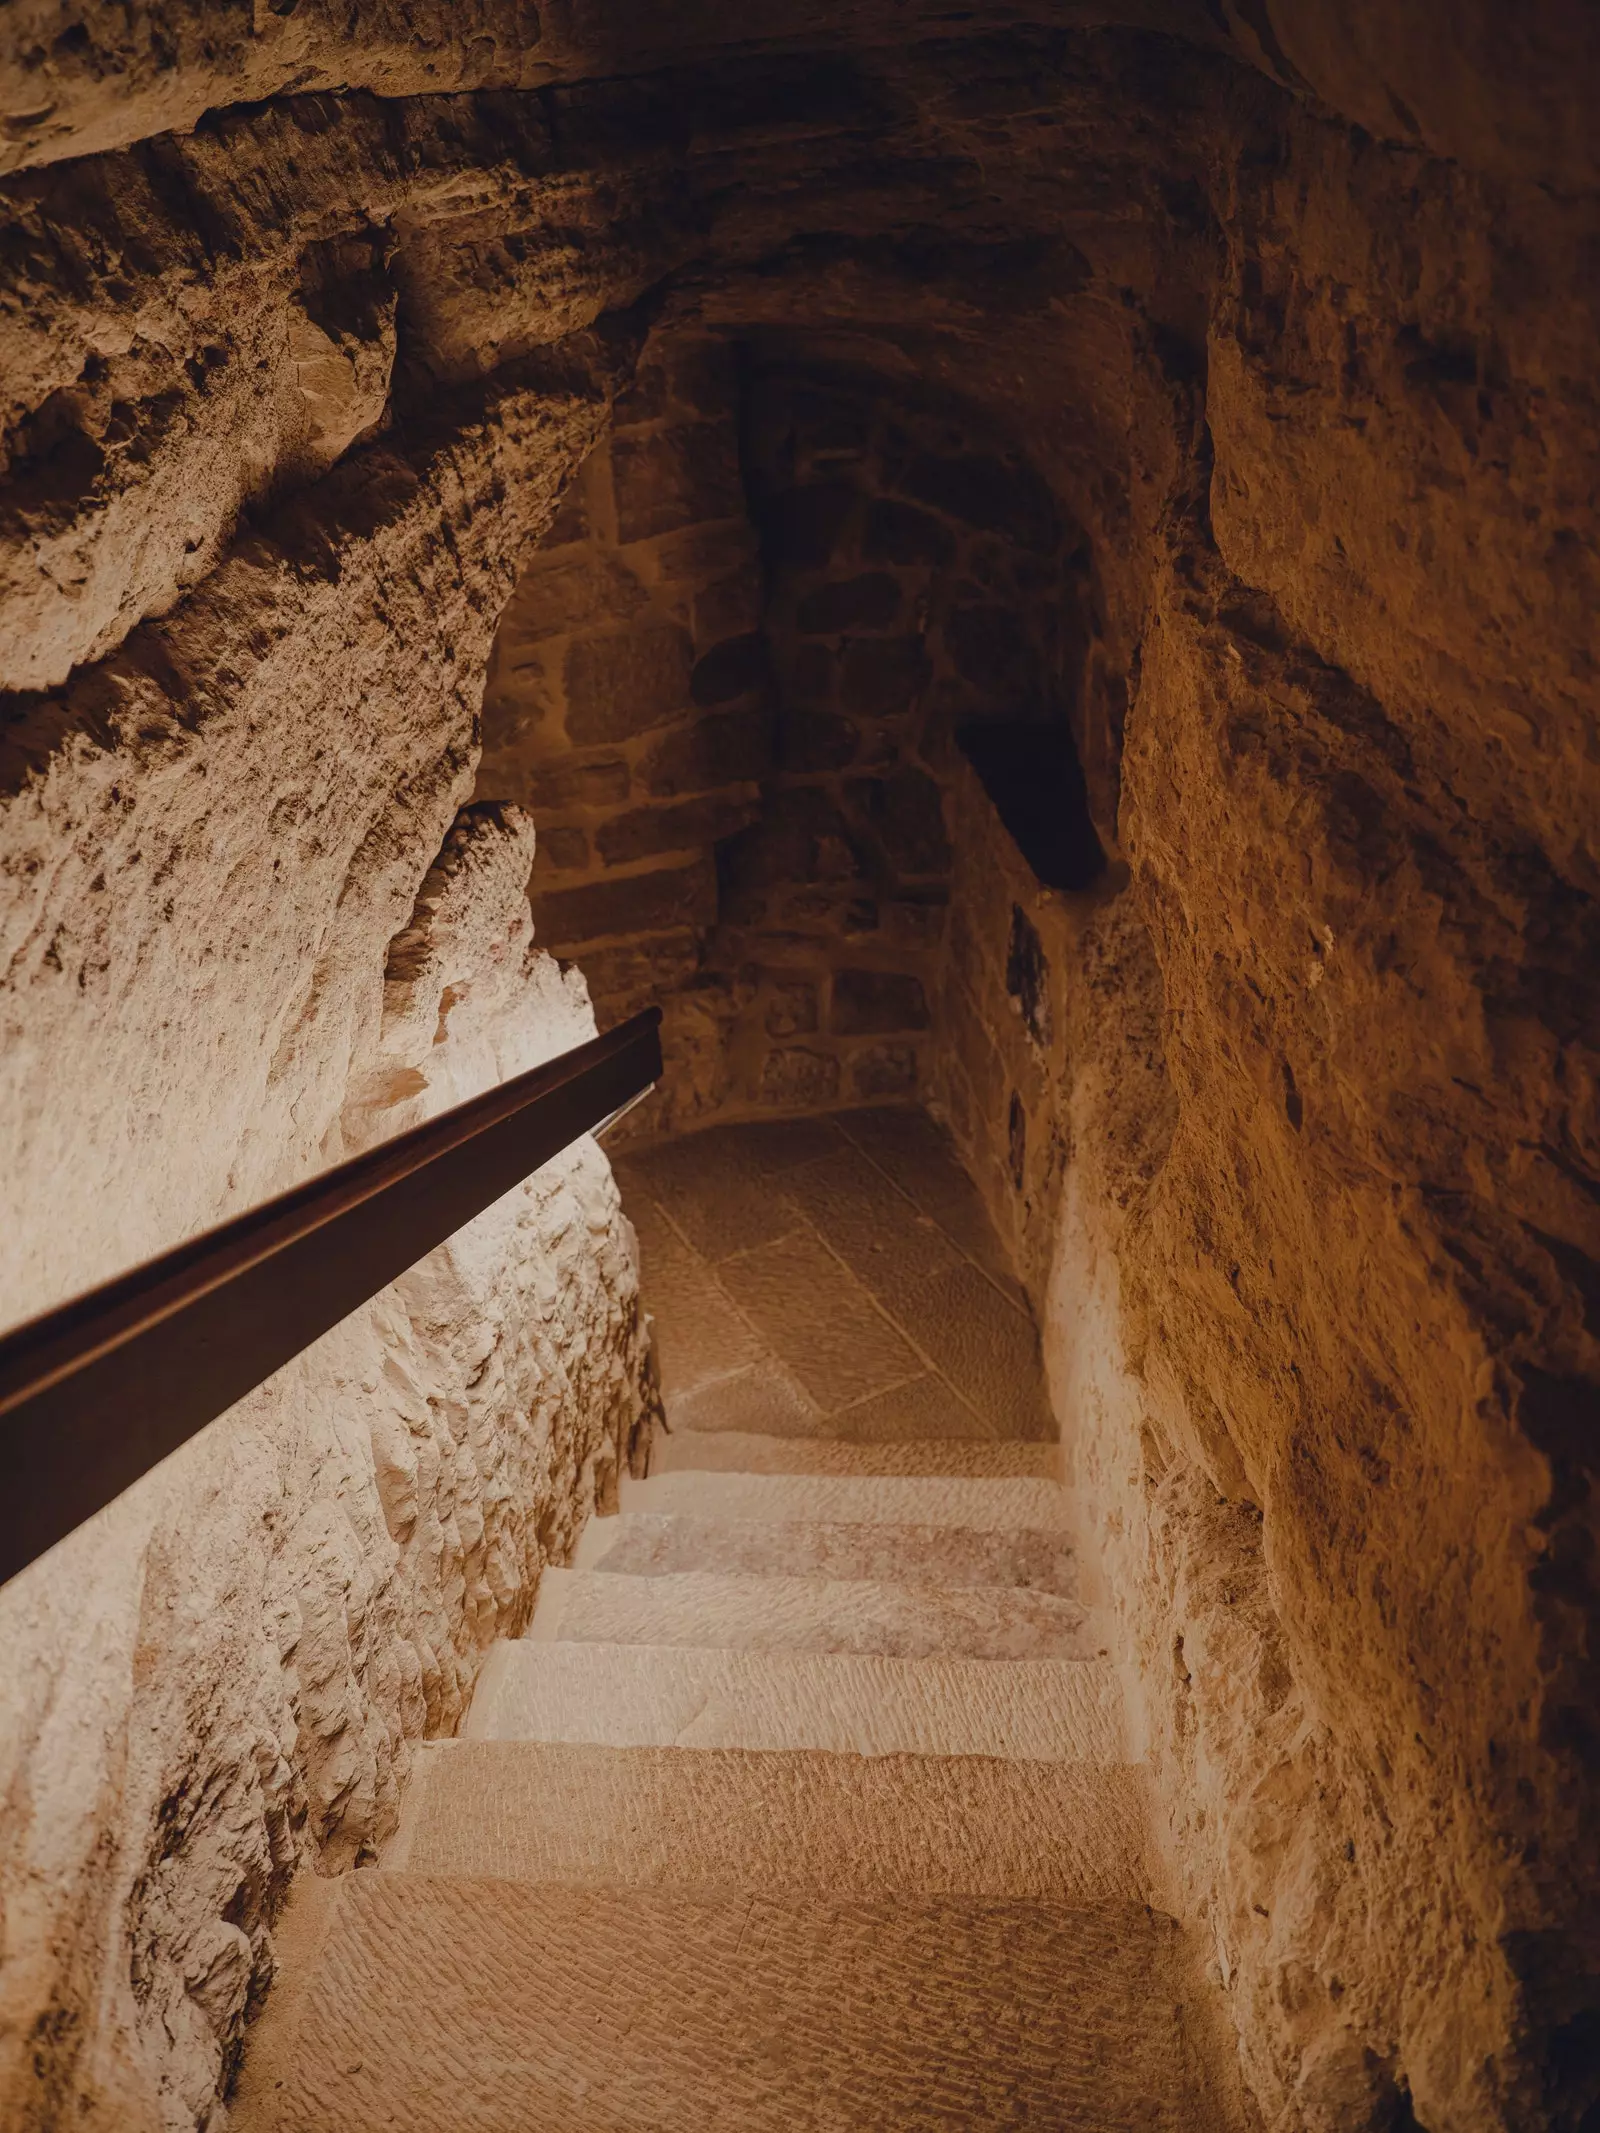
915 579
628 707
727 684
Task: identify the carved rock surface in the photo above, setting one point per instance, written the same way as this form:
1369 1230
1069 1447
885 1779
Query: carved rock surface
213 848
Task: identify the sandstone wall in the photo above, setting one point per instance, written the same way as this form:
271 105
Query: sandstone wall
914 570
247 930
1319 1314
216 1682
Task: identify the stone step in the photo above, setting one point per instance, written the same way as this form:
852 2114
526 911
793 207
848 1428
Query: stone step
743 1451
651 1544
654 1696
985 1504
803 1614
582 2010
918 1825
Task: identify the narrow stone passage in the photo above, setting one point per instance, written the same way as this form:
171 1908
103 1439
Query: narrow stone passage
805 1801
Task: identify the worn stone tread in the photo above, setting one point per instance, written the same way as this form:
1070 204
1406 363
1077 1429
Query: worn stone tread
846 1825
980 1504
748 1452
549 2009
641 1695
812 1615
646 1544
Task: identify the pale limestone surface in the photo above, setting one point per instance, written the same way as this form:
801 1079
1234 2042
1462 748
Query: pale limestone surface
980 1505
741 1452
920 1825
583 2007
642 1543
627 1696
812 1614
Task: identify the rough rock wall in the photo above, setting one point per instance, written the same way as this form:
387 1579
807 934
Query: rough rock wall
217 1680
261 721
1321 1309
1380 718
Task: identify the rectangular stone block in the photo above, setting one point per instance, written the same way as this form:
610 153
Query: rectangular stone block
626 681
695 824
795 1074
885 1071
572 589
869 1003
631 903
665 480
563 784
732 748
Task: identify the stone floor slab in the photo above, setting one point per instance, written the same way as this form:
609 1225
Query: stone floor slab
762 1398
818 1321
918 1155
924 1406
712 1190
986 1348
700 1333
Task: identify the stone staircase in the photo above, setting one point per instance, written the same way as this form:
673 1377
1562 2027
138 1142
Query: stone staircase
803 1804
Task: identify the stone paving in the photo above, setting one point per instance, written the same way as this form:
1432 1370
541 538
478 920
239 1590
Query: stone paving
831 1277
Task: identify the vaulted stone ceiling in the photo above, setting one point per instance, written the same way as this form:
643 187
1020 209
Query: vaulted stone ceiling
309 317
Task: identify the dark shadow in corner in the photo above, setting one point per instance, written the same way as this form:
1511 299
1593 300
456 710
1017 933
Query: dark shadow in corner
1032 774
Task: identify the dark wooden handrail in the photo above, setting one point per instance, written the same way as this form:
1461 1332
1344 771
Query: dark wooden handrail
96 1392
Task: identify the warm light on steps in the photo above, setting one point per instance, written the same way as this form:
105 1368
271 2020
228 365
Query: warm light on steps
641 1695
982 1504
921 1825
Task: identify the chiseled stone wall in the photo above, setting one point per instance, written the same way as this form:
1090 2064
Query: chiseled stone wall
246 930
217 1681
917 576
1306 1184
